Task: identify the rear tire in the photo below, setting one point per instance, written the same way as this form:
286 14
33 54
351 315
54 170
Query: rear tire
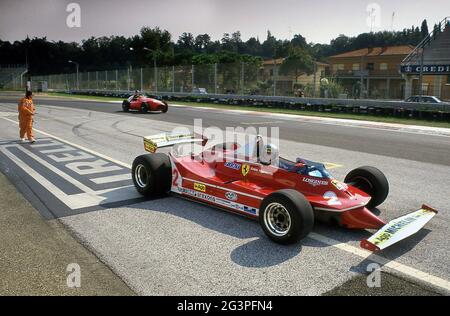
152 174
286 216
372 181
125 106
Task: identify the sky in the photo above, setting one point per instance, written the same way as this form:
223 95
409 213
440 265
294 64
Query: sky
318 21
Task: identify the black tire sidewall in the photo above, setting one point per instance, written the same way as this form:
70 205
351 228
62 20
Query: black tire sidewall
378 182
144 107
300 211
125 106
159 171
166 107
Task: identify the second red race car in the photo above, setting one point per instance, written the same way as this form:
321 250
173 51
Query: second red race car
285 196
144 104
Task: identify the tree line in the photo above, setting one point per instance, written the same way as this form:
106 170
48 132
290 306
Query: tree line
99 53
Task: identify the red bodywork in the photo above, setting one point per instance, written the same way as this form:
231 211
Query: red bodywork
239 186
152 104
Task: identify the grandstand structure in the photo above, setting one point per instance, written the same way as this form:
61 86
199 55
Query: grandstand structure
427 68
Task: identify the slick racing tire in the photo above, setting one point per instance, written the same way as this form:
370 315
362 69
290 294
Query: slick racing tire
371 181
125 106
144 107
166 107
286 216
152 174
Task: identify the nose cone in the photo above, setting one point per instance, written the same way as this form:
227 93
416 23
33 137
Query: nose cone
361 218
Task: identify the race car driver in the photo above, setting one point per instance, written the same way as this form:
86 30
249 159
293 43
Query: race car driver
26 110
135 96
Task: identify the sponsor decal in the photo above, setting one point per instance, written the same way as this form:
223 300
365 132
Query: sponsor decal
245 169
233 165
315 182
397 225
231 196
426 69
219 201
150 146
331 198
260 170
250 210
199 187
339 185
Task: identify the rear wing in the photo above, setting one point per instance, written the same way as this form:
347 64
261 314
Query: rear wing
152 143
399 229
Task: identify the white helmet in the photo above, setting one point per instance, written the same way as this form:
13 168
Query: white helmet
269 154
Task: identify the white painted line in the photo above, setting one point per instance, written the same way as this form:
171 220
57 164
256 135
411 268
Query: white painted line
109 179
77 146
391 264
390 127
72 201
63 175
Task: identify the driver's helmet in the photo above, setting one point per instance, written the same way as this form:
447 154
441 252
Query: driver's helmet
269 154
137 92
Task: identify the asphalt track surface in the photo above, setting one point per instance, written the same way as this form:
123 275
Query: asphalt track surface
421 148
175 247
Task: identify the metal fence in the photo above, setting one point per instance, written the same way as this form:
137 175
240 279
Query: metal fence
240 78
232 78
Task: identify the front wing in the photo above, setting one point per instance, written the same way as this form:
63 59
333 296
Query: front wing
399 229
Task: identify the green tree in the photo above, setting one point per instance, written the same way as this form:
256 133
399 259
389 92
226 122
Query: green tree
424 29
298 63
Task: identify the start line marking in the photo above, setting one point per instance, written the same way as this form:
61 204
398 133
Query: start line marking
391 264
78 177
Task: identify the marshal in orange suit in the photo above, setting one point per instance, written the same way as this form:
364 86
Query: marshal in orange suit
26 112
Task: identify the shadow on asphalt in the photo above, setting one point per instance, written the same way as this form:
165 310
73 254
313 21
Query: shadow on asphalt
262 253
391 254
139 113
258 253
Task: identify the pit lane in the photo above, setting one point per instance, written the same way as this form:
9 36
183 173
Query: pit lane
171 246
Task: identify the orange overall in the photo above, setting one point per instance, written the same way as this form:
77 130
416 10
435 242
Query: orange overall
26 111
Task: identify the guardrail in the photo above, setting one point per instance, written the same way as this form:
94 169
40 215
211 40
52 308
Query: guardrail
382 107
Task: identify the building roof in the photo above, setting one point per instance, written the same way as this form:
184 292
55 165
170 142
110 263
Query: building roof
377 51
279 61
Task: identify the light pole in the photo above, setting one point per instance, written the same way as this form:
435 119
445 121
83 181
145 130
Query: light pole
78 69
154 67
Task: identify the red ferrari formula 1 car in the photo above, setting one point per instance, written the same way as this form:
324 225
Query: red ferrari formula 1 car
144 104
286 196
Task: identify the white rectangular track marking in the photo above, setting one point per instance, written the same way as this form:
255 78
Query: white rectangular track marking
109 179
424 277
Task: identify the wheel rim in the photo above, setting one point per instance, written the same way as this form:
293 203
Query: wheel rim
277 219
141 176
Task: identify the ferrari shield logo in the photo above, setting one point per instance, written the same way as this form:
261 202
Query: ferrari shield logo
245 169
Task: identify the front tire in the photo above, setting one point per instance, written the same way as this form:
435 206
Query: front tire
166 107
152 174
286 216
371 181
